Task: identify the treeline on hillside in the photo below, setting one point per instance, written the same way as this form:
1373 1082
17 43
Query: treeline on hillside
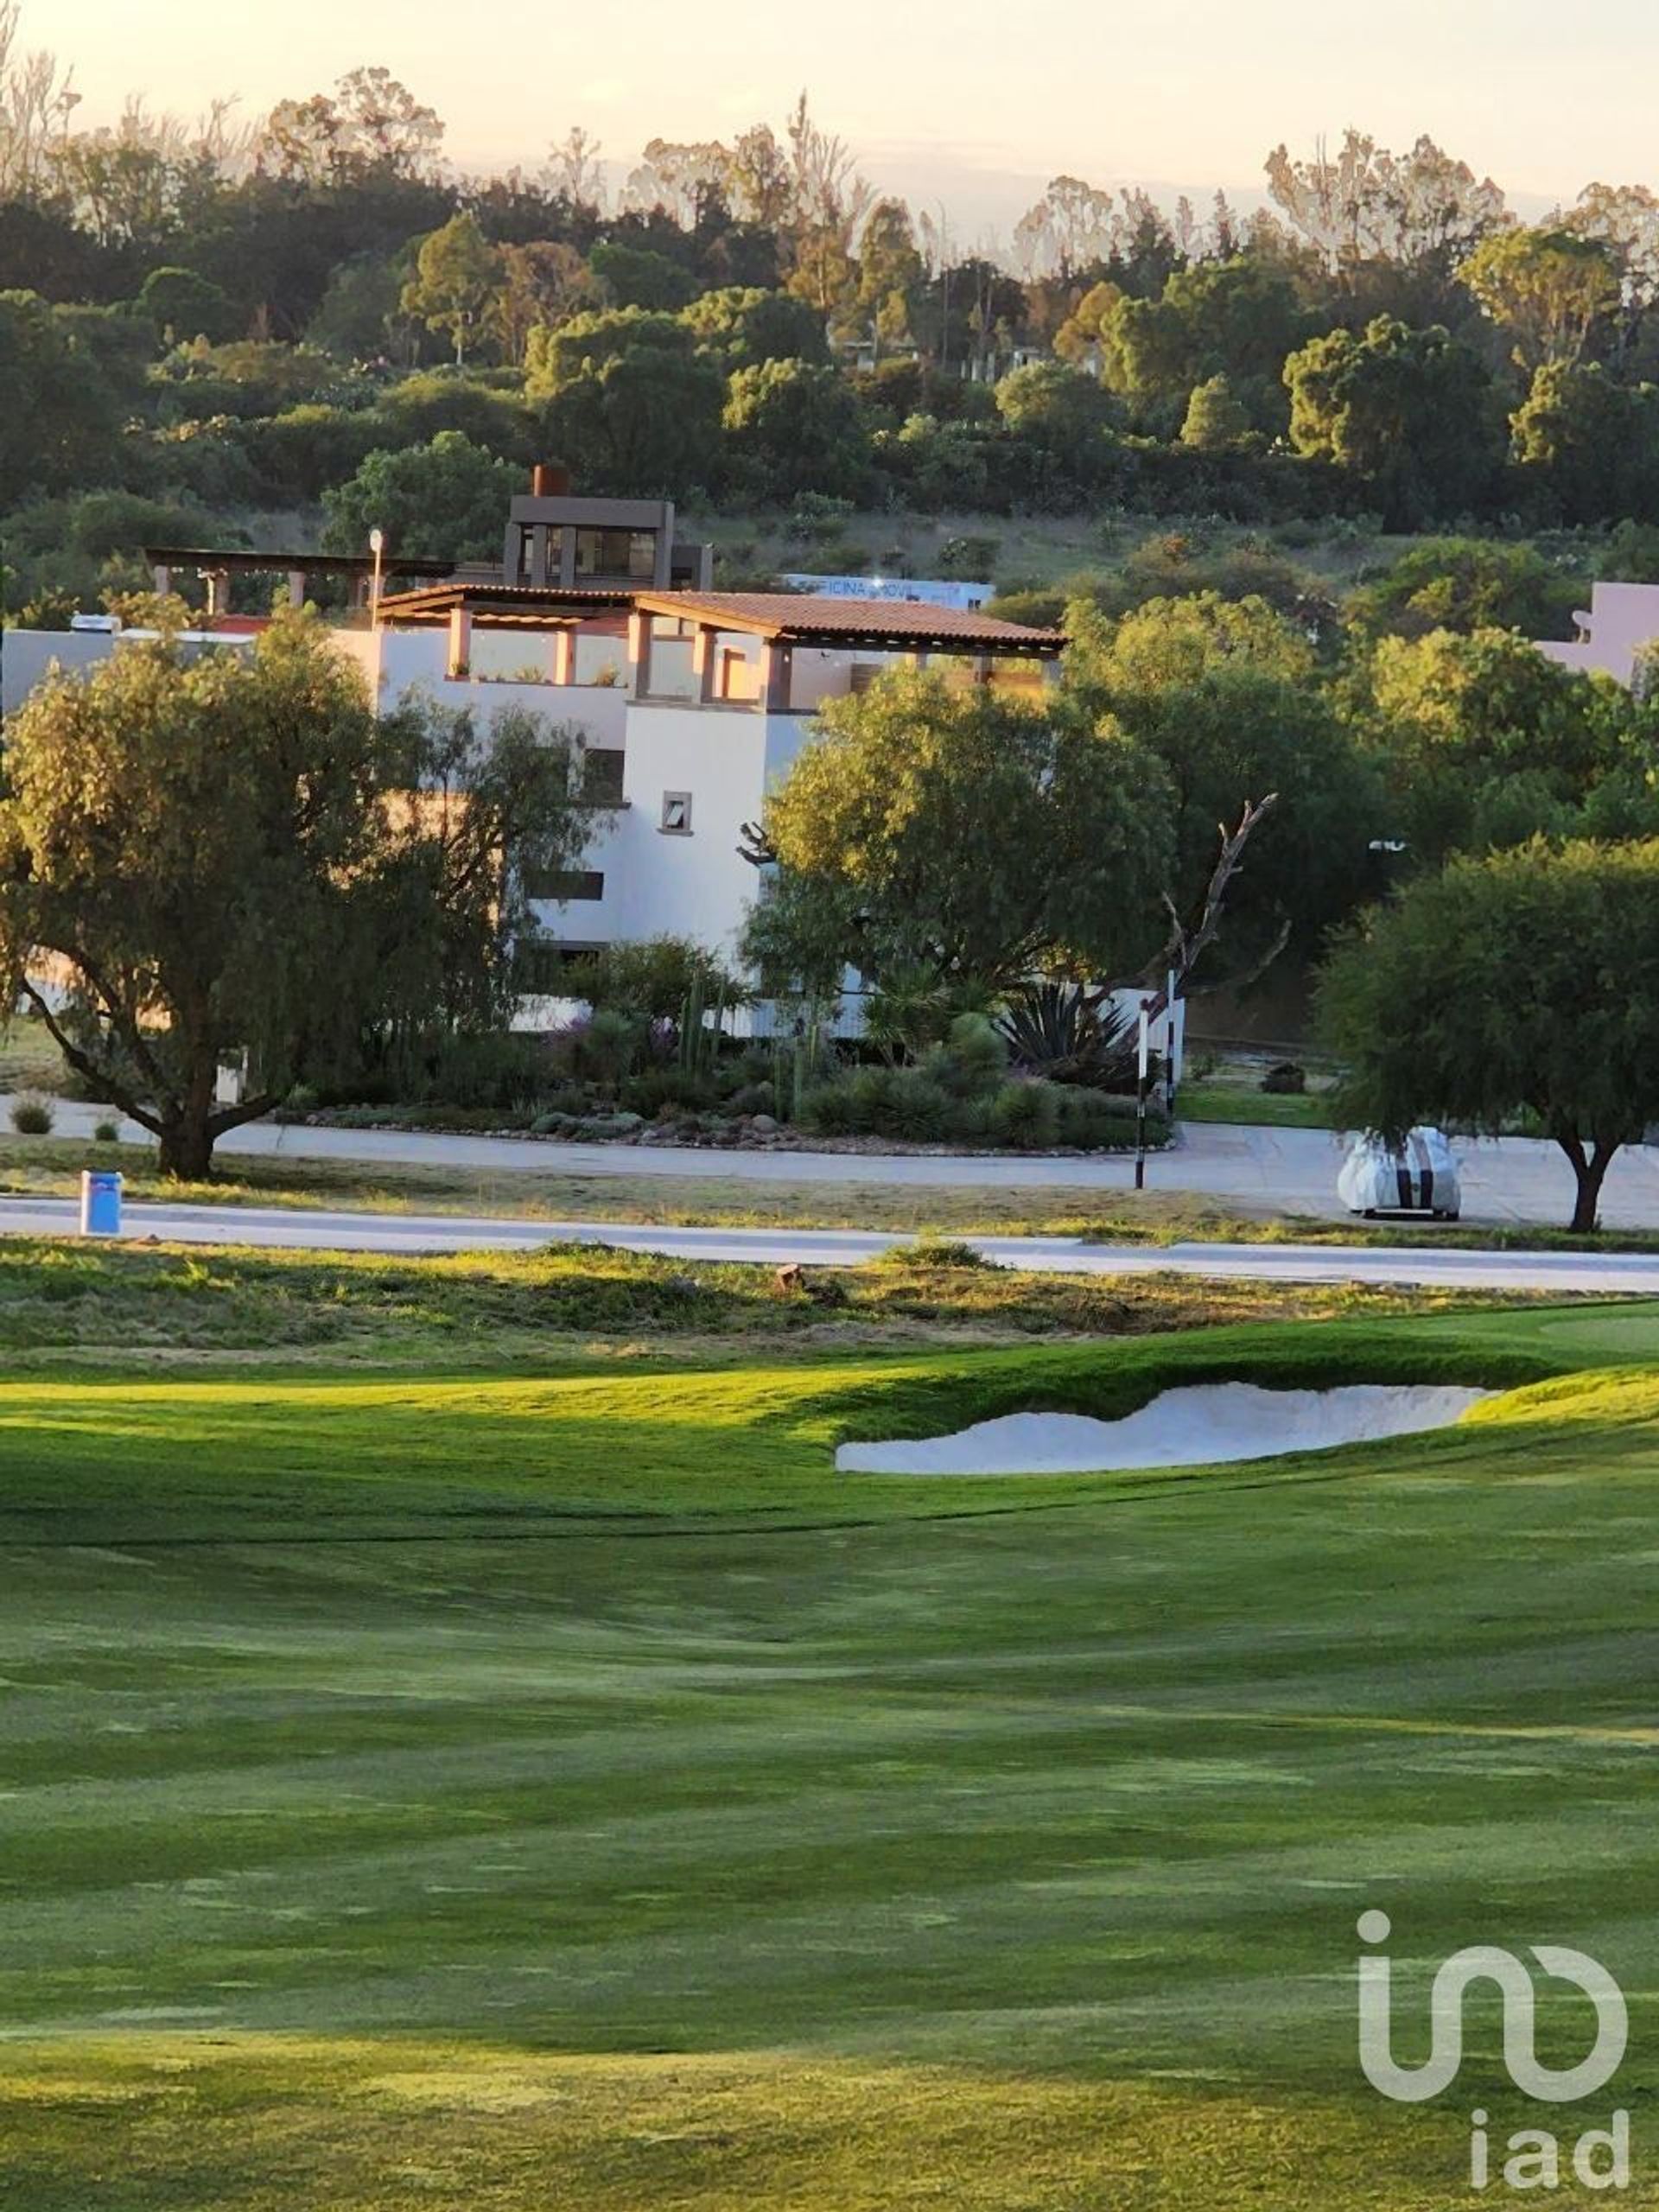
202 321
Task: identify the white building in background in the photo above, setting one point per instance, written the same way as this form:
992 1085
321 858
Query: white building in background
1620 622
29 657
926 591
691 705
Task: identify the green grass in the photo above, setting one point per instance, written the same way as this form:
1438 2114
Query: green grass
1246 1104
96 1302
523 1790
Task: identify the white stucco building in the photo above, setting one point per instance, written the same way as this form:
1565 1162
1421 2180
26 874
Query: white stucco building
1620 621
691 705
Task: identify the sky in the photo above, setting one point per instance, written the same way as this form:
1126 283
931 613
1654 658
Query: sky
973 105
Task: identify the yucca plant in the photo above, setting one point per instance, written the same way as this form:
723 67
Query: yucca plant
1057 1031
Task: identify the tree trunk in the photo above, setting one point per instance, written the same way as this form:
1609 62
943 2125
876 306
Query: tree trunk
185 1149
1590 1172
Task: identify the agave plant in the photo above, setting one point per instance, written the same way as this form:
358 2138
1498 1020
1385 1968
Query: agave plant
1058 1031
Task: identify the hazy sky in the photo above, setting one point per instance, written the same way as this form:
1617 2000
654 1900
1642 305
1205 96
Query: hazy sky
974 102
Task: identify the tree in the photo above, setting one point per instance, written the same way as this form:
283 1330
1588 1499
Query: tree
1422 210
1062 406
959 831
628 391
1592 442
1481 739
183 305
1082 333
890 272
1216 420
1412 412
800 426
741 325
545 281
647 423
1465 584
1525 980
1225 694
448 499
635 277
828 197
1069 228
362 306
216 856
457 275
372 124
1625 218
1551 289
58 418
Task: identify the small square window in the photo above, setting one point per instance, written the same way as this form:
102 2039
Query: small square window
676 814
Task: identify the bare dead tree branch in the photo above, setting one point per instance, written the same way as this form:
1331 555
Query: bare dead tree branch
1184 946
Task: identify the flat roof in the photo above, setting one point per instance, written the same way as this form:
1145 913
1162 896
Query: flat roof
816 618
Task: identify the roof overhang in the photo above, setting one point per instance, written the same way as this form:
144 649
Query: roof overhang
875 625
501 606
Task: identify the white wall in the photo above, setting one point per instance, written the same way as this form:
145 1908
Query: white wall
395 661
657 884
28 656
1621 619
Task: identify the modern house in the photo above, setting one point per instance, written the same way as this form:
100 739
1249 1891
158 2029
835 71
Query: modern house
1620 622
691 704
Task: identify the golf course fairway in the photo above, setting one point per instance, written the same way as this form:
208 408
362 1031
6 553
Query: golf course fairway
531 1790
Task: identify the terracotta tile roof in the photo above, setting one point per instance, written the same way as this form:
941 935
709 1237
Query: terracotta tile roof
812 619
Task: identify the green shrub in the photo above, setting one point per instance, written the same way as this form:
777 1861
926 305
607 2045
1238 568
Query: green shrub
754 1098
973 1059
929 1251
654 978
971 1119
607 1047
33 1114
648 1094
870 1091
1090 1120
1025 1117
827 1108
106 1132
918 1109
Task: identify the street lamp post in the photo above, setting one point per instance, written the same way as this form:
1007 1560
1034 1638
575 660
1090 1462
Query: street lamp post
377 546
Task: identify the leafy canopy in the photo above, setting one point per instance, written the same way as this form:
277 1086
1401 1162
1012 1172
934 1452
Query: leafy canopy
960 830
1525 979
203 855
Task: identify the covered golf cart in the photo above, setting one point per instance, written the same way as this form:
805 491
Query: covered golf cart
1419 1176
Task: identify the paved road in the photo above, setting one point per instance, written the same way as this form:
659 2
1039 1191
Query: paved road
1509 1180
318 1230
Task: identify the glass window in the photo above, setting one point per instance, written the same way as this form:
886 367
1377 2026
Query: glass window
601 774
676 814
562 885
629 553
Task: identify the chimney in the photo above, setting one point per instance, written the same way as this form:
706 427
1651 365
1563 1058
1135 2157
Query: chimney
548 480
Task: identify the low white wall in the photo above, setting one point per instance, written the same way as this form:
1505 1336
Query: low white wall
28 656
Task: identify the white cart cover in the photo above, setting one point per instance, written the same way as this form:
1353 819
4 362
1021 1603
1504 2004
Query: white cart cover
1419 1176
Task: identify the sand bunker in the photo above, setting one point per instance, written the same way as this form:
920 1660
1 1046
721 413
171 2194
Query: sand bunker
1197 1425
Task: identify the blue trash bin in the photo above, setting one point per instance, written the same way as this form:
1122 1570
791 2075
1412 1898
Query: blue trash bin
101 1202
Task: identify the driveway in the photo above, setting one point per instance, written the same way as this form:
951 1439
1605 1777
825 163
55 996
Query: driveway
1508 1180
